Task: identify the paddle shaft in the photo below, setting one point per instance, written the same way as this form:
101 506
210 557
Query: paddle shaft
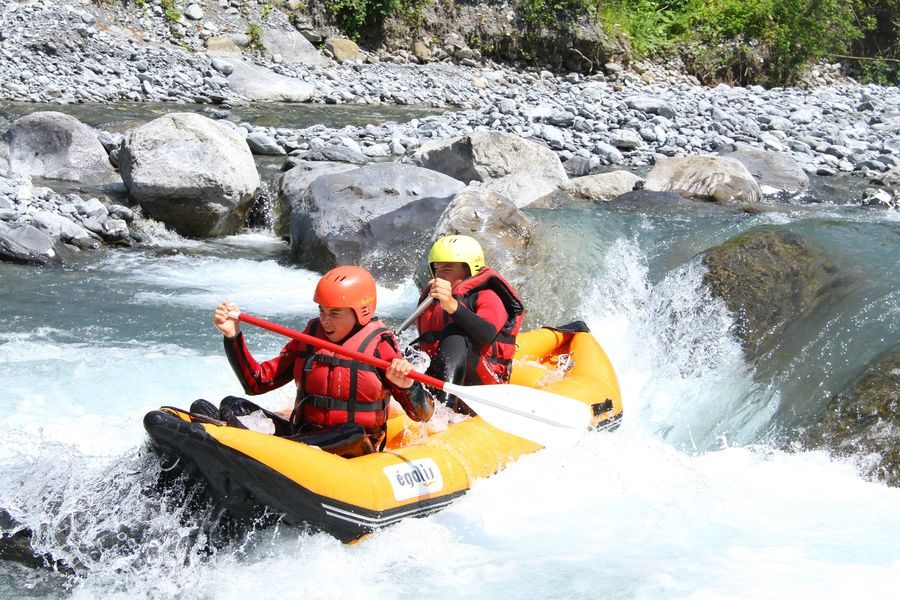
529 413
419 310
336 348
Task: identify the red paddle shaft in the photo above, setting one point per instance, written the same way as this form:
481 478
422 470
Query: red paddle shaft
337 349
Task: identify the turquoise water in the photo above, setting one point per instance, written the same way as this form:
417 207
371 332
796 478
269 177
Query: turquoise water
124 115
690 498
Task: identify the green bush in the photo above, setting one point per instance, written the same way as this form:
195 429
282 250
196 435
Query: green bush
170 10
255 33
355 16
551 13
651 26
791 33
786 35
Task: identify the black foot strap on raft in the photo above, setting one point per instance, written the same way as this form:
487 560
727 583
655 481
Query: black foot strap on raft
346 439
232 407
205 408
573 327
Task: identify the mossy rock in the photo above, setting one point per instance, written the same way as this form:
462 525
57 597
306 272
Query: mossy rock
864 420
770 278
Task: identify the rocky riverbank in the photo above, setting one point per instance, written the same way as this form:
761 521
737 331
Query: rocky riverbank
53 52
624 120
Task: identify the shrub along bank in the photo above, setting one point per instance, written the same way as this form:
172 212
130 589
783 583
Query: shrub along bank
768 42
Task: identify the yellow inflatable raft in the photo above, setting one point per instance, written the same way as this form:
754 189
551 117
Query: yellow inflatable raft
419 472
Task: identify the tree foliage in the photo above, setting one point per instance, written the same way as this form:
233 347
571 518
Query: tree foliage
783 35
764 41
355 16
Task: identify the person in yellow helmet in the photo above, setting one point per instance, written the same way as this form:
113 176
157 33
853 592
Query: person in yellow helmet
341 404
470 330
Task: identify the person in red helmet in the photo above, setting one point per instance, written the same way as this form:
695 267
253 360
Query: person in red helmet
470 329
341 404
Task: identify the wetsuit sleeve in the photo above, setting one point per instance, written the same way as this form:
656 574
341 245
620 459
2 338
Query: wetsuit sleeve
259 378
416 401
484 323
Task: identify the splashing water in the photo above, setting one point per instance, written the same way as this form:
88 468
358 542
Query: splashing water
688 499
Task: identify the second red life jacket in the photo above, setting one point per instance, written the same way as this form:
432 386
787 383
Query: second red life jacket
496 356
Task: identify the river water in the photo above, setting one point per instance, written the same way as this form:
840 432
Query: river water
692 497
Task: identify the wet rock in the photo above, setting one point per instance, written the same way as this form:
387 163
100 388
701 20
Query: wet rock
16 546
770 278
374 216
863 421
28 244
294 184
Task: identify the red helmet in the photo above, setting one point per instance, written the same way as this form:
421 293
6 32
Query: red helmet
348 287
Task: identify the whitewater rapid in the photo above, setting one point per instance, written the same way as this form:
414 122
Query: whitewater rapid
687 499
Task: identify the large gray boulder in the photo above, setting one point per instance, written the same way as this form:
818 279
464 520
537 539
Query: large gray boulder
723 180
378 216
863 420
289 46
258 83
520 169
776 172
294 184
192 173
53 145
770 278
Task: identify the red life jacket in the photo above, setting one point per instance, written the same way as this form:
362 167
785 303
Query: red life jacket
497 355
333 389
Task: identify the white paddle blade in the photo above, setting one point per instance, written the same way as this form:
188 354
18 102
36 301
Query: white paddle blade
545 418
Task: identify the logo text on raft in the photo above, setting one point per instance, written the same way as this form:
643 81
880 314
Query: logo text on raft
414 478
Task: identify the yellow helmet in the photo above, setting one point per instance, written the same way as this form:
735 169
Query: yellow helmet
457 248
